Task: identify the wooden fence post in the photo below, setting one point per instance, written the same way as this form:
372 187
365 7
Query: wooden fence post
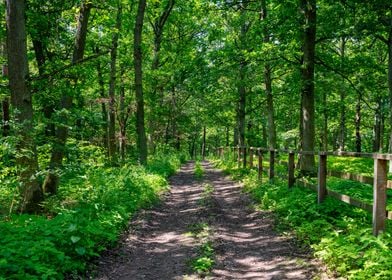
322 178
379 195
260 166
272 164
244 156
291 178
251 157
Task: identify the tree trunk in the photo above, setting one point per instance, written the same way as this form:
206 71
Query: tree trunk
203 148
308 7
21 100
112 150
122 119
342 126
104 113
52 179
324 142
157 88
268 82
358 137
390 89
137 52
377 128
241 105
5 104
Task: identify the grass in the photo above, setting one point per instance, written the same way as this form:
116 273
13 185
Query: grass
339 234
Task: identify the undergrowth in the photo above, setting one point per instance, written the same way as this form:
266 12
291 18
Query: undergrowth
339 234
199 171
93 205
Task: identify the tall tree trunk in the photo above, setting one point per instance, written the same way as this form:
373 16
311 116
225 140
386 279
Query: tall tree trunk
112 88
241 105
5 104
342 126
48 106
377 127
268 82
21 100
103 105
390 89
157 88
137 53
358 116
123 119
324 142
203 148
52 179
308 8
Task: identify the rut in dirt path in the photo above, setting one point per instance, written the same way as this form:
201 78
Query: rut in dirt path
158 245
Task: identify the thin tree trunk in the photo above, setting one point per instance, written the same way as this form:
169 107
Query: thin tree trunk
21 100
103 106
112 150
377 128
140 128
5 104
203 148
342 126
52 179
390 89
324 142
157 88
268 82
241 105
358 116
308 7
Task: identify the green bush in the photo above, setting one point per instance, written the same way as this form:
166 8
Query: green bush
93 205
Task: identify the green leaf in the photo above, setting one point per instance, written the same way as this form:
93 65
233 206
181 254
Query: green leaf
75 239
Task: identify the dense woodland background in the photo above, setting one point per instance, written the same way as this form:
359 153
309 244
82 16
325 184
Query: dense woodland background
134 77
90 90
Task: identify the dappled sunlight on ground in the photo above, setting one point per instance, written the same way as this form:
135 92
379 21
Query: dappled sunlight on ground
159 246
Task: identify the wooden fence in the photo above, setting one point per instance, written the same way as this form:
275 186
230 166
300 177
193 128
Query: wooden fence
379 180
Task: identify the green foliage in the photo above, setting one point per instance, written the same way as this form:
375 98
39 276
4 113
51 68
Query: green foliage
199 171
339 234
204 261
86 216
363 166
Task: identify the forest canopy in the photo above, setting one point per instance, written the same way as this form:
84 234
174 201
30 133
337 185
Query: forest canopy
136 77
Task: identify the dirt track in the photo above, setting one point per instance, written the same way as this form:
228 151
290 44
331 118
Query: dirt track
159 246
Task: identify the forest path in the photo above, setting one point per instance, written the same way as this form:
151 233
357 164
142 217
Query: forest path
163 241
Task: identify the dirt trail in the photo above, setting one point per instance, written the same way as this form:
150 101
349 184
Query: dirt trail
246 247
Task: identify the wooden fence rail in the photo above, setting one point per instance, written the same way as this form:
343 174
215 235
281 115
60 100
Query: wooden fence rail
379 179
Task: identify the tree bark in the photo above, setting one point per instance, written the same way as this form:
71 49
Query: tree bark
324 142
103 106
390 88
308 8
358 116
52 179
137 53
342 126
157 88
377 127
203 148
21 100
268 82
112 147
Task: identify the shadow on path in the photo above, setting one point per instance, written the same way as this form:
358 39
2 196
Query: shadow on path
158 246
